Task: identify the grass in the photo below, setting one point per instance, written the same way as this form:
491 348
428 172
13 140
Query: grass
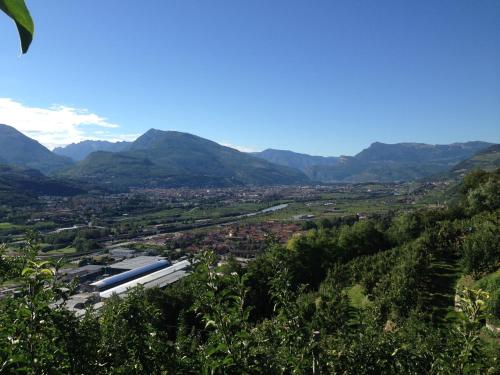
357 296
69 265
176 216
490 278
444 275
7 226
63 251
491 284
344 205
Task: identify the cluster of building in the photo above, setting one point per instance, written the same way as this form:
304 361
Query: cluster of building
239 240
96 283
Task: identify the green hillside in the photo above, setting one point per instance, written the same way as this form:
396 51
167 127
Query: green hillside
171 159
396 162
20 186
18 149
487 160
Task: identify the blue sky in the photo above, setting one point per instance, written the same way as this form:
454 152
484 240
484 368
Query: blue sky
321 77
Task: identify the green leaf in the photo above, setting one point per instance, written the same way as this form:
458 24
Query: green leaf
210 323
221 348
227 361
17 10
27 271
46 272
42 263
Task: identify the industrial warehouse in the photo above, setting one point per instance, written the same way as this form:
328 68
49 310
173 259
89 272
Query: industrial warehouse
97 283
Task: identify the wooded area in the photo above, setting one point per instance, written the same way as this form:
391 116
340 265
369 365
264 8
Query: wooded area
370 297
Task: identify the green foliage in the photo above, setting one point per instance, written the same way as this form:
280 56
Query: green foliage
468 350
406 349
312 255
29 333
398 293
362 238
222 309
481 246
491 285
481 191
17 10
337 300
485 197
405 228
83 244
130 341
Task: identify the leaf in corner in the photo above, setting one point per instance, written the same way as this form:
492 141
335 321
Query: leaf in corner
17 10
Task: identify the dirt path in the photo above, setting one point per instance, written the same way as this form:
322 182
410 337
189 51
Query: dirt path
440 300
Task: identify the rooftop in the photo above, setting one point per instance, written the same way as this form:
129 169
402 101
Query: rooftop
158 279
83 270
131 263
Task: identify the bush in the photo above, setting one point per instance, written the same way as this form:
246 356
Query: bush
481 247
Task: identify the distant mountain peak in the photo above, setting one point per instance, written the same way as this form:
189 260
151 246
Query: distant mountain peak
79 151
8 127
20 150
291 159
155 138
153 131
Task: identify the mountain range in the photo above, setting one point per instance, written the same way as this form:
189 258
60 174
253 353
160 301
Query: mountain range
380 162
174 159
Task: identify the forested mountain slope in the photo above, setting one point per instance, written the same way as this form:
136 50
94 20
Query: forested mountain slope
396 162
19 186
171 159
487 160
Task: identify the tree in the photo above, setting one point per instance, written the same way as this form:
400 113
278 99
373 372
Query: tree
130 340
481 247
17 10
29 335
222 308
486 196
464 353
